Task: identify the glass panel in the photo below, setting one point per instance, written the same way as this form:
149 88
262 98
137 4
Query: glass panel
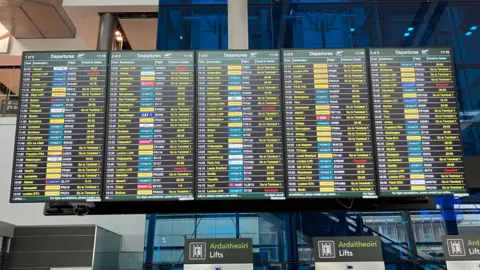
287 237
192 27
274 241
323 24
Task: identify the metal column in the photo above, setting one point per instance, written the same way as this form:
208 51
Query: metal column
105 31
449 216
152 222
411 241
238 24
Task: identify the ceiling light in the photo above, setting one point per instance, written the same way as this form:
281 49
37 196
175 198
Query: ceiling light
406 34
352 29
473 28
469 33
410 29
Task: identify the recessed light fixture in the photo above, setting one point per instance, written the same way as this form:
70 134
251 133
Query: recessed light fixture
469 33
474 27
406 34
410 29
352 29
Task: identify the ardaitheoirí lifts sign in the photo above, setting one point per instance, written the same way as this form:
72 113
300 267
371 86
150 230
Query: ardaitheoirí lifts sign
347 249
218 251
461 248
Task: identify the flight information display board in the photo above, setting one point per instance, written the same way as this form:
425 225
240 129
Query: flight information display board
150 126
416 122
328 125
239 125
60 127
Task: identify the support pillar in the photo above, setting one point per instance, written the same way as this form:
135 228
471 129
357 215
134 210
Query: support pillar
450 220
411 242
238 24
152 222
360 224
105 32
449 216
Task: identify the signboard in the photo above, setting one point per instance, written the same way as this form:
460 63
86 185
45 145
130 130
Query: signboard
240 142
60 127
328 125
340 253
150 126
461 252
221 253
417 129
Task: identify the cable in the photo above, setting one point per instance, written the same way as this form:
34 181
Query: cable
347 207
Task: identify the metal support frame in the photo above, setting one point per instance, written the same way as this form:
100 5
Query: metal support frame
342 223
426 19
411 242
283 23
152 222
237 226
287 239
449 216
360 224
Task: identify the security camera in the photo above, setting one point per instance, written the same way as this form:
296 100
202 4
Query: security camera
81 209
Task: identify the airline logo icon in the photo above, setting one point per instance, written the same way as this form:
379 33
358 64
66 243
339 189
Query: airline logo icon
197 251
326 249
456 248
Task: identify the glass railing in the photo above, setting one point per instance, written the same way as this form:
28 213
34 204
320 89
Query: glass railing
389 265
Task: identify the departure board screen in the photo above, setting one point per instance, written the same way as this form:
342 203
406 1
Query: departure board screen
150 126
239 125
416 122
328 125
60 127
